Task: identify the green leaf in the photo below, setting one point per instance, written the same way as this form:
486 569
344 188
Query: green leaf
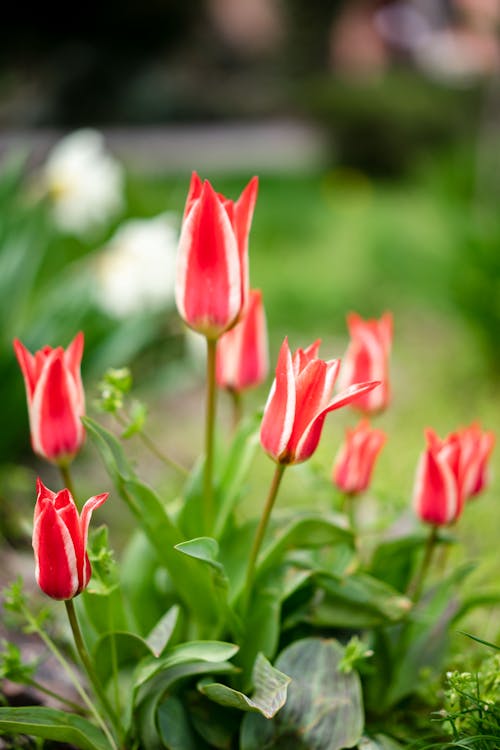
262 623
194 584
357 601
235 471
173 726
205 550
270 690
149 695
308 530
205 651
480 640
202 548
162 632
51 724
118 648
230 472
394 560
324 708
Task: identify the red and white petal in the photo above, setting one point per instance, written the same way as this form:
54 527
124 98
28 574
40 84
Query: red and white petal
279 412
73 356
56 564
312 433
436 499
242 221
28 367
194 192
56 430
309 389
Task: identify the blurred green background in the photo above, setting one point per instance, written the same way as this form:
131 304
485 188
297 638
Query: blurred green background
391 205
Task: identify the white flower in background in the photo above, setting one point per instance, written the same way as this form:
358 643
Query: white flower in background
85 183
136 269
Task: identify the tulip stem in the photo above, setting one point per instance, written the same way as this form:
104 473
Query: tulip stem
261 530
208 490
42 689
88 666
67 479
152 447
415 588
237 407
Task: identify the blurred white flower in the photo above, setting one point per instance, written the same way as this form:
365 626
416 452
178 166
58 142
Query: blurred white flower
85 183
136 269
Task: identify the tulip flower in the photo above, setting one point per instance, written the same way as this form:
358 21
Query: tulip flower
60 540
367 359
242 352
299 401
55 397
356 458
212 263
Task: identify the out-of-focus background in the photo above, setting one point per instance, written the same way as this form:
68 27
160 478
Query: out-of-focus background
375 129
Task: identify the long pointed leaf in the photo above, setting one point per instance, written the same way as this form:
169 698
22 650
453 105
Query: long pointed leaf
51 724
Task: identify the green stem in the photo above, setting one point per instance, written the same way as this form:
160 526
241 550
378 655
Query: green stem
42 689
261 530
67 479
415 588
208 489
349 508
237 407
88 666
71 674
114 658
151 446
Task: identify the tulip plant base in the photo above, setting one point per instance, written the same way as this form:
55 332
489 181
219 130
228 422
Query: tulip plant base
324 708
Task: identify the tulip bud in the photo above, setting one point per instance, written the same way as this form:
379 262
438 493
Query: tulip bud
367 359
242 352
356 458
437 497
212 263
60 541
55 397
299 400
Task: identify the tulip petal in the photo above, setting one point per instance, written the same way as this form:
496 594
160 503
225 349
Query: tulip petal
208 287
73 355
56 565
242 221
436 498
194 192
56 429
28 367
312 433
279 412
310 387
92 504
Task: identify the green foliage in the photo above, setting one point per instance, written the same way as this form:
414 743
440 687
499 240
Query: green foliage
53 725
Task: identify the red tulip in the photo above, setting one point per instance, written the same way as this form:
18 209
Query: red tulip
299 401
212 265
356 458
437 497
475 449
56 400
242 352
367 359
60 540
